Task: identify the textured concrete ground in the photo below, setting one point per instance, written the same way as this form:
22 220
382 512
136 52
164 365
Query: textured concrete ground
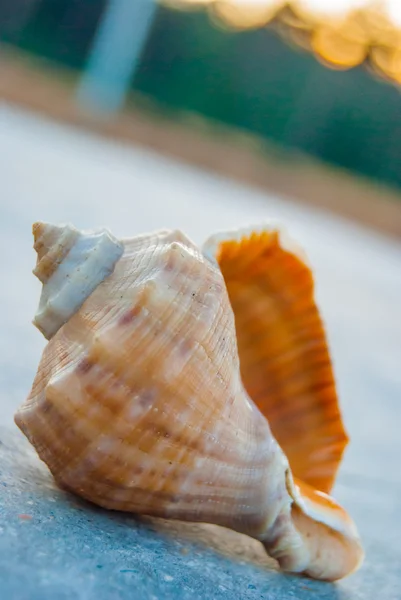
53 545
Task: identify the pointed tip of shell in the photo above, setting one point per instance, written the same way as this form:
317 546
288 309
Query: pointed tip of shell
52 243
39 232
70 264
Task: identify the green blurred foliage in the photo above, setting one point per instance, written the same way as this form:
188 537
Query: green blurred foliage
255 81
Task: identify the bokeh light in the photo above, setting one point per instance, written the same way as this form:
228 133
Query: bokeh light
341 33
317 10
247 14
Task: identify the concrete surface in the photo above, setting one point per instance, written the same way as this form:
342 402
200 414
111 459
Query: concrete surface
53 545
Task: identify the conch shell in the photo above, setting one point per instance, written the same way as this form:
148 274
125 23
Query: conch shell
192 385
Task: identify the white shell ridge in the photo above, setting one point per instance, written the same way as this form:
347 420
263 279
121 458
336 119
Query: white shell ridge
71 264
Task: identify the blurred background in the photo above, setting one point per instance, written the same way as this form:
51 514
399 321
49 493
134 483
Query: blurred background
300 98
205 115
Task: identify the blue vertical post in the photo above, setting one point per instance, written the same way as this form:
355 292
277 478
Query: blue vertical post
115 54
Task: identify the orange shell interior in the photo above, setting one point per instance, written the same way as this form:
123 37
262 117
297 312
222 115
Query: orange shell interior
284 356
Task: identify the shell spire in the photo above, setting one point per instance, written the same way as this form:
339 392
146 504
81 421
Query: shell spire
70 265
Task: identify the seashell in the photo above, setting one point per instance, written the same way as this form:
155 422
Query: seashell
192 384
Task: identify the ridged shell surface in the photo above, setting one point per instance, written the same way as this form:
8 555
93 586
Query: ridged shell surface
138 403
166 368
